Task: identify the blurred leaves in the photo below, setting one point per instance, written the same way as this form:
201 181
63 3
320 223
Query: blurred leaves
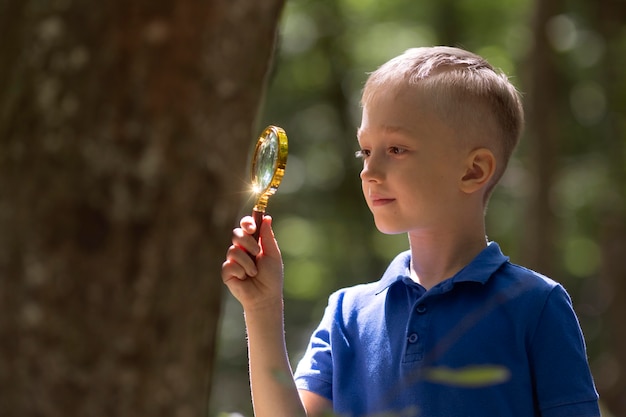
468 377
325 230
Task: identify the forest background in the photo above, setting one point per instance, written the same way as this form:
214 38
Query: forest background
560 209
125 132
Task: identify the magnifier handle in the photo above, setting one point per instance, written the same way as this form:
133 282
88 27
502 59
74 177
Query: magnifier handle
257 215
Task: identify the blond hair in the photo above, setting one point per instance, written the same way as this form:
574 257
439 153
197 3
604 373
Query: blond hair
465 91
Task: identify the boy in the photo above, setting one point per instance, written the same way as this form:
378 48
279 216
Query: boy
452 328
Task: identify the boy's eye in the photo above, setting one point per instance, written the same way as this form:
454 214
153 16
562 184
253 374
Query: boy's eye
396 150
363 153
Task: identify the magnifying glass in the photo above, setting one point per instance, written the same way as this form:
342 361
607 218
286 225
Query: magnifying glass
268 167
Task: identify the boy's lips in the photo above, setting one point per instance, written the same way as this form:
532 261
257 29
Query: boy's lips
379 200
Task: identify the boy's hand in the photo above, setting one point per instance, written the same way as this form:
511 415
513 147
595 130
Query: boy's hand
253 272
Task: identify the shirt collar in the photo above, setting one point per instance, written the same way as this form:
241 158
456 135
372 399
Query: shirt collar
478 270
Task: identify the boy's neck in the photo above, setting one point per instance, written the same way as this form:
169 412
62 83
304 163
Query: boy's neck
436 257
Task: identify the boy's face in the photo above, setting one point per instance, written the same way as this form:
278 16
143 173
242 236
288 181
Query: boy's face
412 164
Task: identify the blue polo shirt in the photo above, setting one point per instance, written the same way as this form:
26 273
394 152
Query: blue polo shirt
495 340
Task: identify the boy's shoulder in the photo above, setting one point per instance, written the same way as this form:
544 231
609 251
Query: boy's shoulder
515 272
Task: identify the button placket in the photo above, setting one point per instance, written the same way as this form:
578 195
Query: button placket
417 325
414 334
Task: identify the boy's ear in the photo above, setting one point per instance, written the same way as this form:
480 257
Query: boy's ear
479 169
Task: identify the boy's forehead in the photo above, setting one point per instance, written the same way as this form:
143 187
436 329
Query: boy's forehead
403 114
394 111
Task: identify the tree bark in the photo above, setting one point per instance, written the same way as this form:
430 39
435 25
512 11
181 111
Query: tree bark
124 130
609 17
542 140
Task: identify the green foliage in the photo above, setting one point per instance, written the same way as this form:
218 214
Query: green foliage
325 230
468 377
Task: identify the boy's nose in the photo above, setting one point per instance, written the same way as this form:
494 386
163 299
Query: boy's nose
371 171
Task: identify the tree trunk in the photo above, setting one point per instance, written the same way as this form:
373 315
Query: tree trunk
542 137
609 18
122 126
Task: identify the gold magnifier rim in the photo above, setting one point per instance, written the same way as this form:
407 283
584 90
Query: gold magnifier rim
279 164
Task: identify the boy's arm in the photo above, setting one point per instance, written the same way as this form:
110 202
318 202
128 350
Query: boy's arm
274 391
271 377
256 282
315 404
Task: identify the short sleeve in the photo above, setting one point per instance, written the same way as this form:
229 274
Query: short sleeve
315 370
563 381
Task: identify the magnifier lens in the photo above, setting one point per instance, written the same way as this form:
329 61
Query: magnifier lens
266 162
268 168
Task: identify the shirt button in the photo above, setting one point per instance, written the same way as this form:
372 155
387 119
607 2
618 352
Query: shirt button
413 338
421 309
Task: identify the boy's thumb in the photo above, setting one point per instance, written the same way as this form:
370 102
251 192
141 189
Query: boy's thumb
267 238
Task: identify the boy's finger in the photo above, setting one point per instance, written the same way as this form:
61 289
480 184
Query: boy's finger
232 270
268 241
248 225
241 264
245 241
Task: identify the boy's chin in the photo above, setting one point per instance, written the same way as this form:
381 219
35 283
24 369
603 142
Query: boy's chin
389 230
